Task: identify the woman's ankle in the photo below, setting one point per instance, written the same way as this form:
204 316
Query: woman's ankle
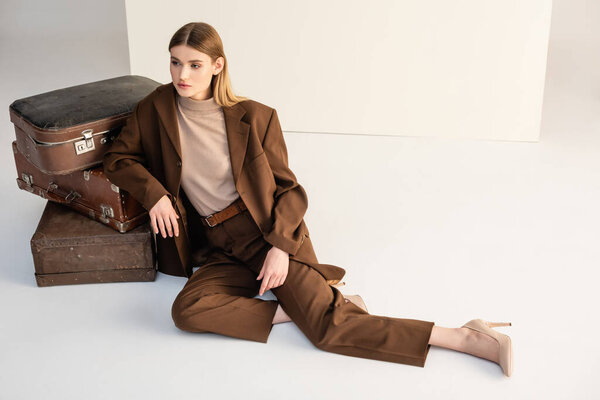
280 316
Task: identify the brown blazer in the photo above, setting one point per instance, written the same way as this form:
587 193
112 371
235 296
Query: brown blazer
145 160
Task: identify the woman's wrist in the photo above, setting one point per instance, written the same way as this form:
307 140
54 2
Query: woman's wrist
282 251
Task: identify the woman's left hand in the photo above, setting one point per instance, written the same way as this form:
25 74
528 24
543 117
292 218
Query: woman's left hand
274 270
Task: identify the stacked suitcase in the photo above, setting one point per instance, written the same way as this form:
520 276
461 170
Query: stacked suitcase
90 230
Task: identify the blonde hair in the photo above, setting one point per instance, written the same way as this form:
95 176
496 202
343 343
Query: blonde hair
204 38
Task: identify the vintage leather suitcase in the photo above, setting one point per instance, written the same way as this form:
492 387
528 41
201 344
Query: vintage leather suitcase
69 248
69 129
89 192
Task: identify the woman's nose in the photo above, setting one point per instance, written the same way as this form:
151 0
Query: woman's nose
184 73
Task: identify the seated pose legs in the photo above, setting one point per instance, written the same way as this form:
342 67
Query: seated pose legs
219 298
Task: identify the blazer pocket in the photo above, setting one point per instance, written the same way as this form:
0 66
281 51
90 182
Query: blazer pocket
258 163
259 172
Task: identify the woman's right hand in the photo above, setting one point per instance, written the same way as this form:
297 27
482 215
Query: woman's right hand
163 216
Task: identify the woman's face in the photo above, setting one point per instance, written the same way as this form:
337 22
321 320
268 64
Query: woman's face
192 72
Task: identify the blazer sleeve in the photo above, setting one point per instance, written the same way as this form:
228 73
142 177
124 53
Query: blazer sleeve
291 201
125 165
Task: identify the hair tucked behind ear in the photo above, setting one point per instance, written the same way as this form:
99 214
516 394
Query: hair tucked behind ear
204 38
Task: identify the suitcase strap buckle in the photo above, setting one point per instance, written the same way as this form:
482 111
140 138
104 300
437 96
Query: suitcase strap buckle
72 196
55 194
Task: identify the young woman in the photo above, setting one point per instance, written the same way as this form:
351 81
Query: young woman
212 169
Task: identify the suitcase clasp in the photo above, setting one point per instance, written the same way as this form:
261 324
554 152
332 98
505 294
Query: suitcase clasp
107 212
27 178
87 144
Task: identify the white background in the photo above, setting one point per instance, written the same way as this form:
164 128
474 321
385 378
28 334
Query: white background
469 68
473 229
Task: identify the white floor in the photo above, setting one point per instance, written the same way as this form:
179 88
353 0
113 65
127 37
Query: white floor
441 230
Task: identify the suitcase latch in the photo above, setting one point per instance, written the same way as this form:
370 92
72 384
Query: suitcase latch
107 212
87 144
110 136
28 179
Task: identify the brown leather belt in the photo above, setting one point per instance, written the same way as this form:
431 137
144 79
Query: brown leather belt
231 210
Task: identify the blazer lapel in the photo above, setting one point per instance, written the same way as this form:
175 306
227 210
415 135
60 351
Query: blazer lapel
237 130
237 138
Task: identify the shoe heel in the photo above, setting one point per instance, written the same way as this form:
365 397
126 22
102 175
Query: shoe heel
336 283
493 324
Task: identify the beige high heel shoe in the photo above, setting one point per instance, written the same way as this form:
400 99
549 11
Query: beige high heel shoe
356 299
505 354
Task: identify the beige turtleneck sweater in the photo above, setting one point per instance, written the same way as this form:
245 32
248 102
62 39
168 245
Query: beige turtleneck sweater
206 174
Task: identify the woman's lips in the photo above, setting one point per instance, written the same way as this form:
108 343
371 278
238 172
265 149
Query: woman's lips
183 86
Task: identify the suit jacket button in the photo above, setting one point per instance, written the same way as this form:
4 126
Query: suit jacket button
179 163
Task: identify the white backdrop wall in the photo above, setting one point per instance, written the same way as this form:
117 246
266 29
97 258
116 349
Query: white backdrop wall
469 68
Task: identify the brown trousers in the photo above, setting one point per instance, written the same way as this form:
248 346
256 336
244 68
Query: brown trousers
219 298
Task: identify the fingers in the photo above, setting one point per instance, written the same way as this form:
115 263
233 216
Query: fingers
279 281
273 272
163 218
167 222
264 286
270 282
161 226
153 223
275 282
174 217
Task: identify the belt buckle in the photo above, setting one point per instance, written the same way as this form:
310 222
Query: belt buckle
208 222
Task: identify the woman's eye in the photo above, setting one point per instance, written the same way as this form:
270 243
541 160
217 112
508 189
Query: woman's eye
195 66
174 62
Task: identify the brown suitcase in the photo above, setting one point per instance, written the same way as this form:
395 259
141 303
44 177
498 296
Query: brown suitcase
69 129
69 248
88 192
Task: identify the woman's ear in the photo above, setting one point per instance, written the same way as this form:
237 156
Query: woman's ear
219 65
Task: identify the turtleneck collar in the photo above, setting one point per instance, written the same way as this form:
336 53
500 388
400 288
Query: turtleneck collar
198 106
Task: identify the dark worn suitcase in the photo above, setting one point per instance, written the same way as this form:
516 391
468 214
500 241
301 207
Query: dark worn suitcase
89 192
69 248
69 129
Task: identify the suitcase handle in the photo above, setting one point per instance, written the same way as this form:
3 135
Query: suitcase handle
60 196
